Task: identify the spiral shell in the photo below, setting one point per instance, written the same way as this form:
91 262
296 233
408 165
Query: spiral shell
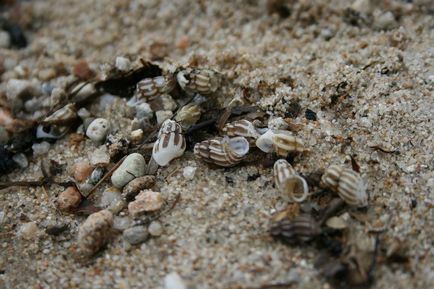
301 229
199 80
242 128
58 123
170 143
289 183
188 115
93 234
225 152
150 88
347 183
282 142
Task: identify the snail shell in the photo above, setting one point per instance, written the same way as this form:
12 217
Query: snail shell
347 183
242 128
225 152
170 143
93 234
282 142
289 183
58 123
301 229
199 80
150 88
188 115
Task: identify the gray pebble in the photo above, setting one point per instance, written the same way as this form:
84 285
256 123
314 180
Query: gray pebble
21 160
121 223
98 130
136 235
96 175
40 148
110 197
99 157
132 167
155 229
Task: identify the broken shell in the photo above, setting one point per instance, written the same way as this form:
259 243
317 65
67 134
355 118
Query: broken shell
170 143
289 183
282 142
69 199
347 183
225 152
242 128
57 124
301 229
199 80
93 234
150 88
188 115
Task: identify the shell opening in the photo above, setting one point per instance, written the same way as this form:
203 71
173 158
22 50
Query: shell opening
265 141
297 188
239 145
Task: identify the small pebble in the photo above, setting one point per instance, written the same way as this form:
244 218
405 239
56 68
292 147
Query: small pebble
21 160
121 223
69 199
98 130
99 157
19 88
82 170
146 201
136 235
110 197
155 229
94 233
189 172
168 102
82 70
28 231
40 148
385 21
136 136
173 281
144 110
96 175
122 63
162 115
83 113
131 190
5 39
132 167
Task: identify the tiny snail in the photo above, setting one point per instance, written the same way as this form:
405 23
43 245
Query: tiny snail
199 80
170 143
225 152
282 142
347 183
242 128
301 229
150 88
289 183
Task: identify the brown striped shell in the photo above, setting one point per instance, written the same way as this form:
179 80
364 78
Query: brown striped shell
170 143
242 128
94 233
289 183
198 80
285 142
347 183
224 152
150 88
301 229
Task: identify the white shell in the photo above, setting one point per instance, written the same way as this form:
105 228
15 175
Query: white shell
225 152
289 183
265 141
199 80
170 143
281 142
347 183
242 128
149 88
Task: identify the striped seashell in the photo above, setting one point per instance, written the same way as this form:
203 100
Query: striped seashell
347 183
94 233
301 229
170 143
224 152
150 88
188 115
58 123
289 183
198 80
242 128
282 142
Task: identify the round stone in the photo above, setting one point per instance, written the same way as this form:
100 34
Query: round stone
98 130
155 229
82 170
68 199
132 167
136 235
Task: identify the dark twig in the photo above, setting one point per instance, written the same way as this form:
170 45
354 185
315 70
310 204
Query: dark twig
377 147
39 183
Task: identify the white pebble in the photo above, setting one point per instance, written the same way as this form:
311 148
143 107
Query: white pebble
122 63
162 115
5 39
155 229
98 130
40 148
189 172
144 110
99 156
132 167
174 281
21 160
110 197
28 230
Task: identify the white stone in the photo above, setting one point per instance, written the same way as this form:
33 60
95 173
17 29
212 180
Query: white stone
162 115
98 130
110 197
40 148
21 160
28 230
132 167
121 223
83 113
144 110
385 21
173 281
155 229
99 156
189 172
5 39
122 63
